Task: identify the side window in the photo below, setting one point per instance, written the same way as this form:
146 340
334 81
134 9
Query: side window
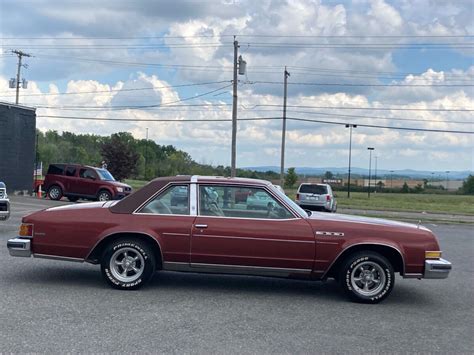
87 174
174 200
70 171
240 202
56 169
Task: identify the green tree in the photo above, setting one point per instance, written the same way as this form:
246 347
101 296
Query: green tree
120 155
405 188
468 185
290 178
328 175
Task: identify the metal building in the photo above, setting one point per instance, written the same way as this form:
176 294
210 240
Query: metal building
17 146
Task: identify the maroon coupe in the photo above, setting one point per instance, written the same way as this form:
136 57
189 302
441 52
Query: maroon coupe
207 228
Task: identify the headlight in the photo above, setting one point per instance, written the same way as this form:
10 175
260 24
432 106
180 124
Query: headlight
119 189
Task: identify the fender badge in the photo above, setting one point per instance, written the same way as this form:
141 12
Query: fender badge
330 234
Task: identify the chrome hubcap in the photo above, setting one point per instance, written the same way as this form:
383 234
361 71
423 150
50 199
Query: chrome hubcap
103 197
368 278
127 265
54 193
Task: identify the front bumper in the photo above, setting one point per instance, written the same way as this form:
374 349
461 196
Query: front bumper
4 210
437 269
19 247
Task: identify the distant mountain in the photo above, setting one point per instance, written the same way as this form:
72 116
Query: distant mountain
408 173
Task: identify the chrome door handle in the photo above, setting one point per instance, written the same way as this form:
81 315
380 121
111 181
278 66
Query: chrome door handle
200 226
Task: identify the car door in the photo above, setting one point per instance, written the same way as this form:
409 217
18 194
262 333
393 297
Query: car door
171 223
70 180
226 234
88 182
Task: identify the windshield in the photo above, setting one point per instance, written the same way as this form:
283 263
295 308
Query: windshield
313 189
105 175
289 201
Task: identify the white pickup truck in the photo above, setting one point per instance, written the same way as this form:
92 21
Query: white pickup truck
4 203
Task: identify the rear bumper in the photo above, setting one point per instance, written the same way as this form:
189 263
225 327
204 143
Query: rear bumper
4 210
19 247
437 269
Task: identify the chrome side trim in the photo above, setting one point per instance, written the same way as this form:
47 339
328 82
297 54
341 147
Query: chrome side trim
250 238
56 257
366 243
233 269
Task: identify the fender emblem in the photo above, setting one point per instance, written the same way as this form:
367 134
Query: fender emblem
330 234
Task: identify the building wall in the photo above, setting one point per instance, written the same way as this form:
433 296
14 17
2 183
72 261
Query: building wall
17 146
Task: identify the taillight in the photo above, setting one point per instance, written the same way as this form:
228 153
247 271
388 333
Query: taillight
297 196
328 198
26 230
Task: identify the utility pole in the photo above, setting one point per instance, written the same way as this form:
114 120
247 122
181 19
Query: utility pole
283 132
20 54
146 152
350 126
234 111
370 149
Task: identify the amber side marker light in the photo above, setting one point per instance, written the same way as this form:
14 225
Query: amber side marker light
26 230
433 254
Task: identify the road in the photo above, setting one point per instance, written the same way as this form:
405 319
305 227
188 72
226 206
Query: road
57 307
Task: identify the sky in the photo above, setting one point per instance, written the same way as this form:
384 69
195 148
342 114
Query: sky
389 64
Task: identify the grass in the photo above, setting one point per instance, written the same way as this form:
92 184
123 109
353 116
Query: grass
136 184
455 204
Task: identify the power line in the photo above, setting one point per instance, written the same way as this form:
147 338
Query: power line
127 90
243 35
363 85
366 108
254 119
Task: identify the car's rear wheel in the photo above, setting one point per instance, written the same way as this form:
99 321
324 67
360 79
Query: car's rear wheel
367 277
55 193
127 264
104 195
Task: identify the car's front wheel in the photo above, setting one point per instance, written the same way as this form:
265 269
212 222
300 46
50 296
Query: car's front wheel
367 277
128 264
104 195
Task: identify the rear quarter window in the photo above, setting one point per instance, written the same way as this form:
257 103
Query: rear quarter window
56 169
313 189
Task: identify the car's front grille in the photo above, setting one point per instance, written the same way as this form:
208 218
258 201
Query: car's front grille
3 193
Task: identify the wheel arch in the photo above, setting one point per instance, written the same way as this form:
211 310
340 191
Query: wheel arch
105 188
96 252
393 255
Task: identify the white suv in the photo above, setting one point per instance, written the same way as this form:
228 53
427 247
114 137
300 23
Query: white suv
316 196
4 203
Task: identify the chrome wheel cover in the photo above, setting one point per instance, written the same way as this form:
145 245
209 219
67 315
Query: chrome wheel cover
54 193
104 196
127 265
368 278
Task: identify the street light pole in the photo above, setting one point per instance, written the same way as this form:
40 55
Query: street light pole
370 149
350 126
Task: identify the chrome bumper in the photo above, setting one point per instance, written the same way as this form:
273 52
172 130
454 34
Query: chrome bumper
4 210
437 269
19 247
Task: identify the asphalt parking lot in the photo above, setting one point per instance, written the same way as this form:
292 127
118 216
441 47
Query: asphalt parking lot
57 307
